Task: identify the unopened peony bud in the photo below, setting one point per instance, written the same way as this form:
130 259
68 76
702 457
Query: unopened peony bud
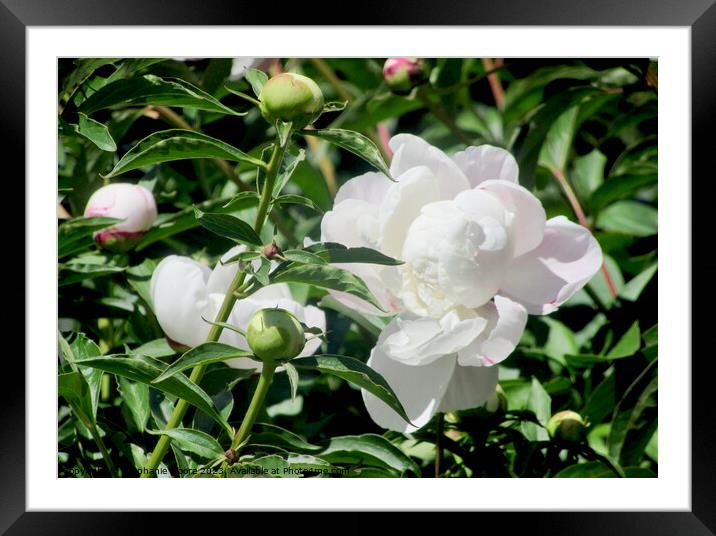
497 402
403 74
131 203
271 250
275 335
566 425
291 97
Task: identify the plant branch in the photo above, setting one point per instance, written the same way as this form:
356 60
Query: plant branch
437 109
174 119
257 402
469 82
345 95
271 174
494 80
103 449
227 305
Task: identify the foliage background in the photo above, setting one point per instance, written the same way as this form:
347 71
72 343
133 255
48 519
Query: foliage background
591 122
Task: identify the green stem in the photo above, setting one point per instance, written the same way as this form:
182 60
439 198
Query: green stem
437 109
257 402
228 304
103 449
196 375
271 174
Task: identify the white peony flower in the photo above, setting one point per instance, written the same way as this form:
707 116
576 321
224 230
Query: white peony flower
184 290
132 203
479 256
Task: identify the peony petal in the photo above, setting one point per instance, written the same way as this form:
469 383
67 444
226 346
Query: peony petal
527 214
179 298
370 187
417 341
506 321
416 187
549 275
274 292
223 274
410 151
353 223
419 388
487 162
479 203
131 203
313 318
469 387
472 269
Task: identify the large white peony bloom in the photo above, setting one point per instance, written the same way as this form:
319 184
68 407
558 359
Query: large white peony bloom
479 256
184 290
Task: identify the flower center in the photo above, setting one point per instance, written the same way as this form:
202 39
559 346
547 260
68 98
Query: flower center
453 259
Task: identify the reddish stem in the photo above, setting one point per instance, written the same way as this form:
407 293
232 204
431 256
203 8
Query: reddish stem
494 80
577 208
384 136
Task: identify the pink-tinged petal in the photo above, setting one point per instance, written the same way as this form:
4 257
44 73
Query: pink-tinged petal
469 387
487 162
410 151
417 341
179 299
131 203
370 187
527 214
420 389
506 321
549 275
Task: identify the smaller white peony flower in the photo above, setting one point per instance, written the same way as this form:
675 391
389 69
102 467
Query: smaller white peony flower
184 290
479 256
131 203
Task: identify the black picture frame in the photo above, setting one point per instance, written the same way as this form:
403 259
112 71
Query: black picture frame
17 15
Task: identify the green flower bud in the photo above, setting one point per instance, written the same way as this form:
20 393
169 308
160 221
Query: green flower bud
497 402
291 97
275 335
566 425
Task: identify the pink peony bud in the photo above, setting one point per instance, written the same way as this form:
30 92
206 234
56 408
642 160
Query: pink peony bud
131 203
403 74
